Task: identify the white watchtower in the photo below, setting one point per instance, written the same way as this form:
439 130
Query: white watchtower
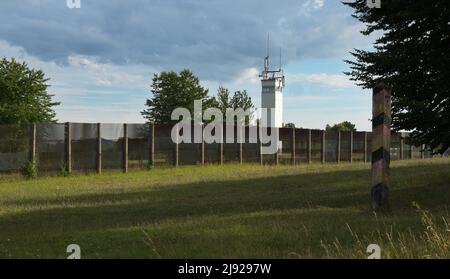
272 93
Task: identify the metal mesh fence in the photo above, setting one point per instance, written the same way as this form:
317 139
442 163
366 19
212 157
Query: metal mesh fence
250 150
316 146
190 152
345 146
301 145
231 146
51 147
112 145
395 146
14 147
84 146
164 146
331 151
138 146
358 146
285 154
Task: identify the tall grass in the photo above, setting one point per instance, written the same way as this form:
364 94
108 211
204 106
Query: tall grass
433 242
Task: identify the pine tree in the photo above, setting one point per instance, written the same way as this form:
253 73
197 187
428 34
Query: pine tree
412 57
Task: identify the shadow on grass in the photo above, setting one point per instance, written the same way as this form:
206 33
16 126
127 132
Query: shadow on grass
339 190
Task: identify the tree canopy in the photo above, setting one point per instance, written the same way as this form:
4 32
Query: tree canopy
23 94
412 57
345 126
170 91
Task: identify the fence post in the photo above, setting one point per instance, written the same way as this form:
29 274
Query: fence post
338 147
177 146
33 143
99 149
309 147
261 159
221 145
241 143
366 138
151 149
351 146
381 133
411 151
277 154
324 147
68 135
293 147
402 142
202 147
422 155
125 148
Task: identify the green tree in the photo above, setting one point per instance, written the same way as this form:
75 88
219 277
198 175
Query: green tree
23 94
240 99
288 125
411 56
170 91
345 126
223 100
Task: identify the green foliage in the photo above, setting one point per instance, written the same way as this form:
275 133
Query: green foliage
63 170
170 91
30 170
345 126
411 56
240 99
288 125
23 94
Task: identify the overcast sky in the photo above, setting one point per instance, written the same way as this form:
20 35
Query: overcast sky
101 58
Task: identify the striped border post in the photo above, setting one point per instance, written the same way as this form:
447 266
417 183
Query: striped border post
381 139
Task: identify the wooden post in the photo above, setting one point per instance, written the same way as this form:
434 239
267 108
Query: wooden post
68 136
277 154
339 147
402 146
366 146
422 155
411 151
221 146
381 140
324 147
241 150
99 149
33 143
125 148
261 159
151 149
351 146
293 146
202 147
177 147
309 147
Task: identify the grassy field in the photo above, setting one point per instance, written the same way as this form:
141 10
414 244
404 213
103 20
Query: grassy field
249 211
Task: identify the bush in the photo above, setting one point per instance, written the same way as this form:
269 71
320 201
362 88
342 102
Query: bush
31 170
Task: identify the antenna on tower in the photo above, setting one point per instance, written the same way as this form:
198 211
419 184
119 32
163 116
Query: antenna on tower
280 59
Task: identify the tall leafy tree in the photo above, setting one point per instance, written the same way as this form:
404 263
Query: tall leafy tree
223 100
240 99
412 56
345 126
23 94
172 90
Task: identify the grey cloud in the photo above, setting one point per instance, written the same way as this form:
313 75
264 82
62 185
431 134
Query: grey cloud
216 39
